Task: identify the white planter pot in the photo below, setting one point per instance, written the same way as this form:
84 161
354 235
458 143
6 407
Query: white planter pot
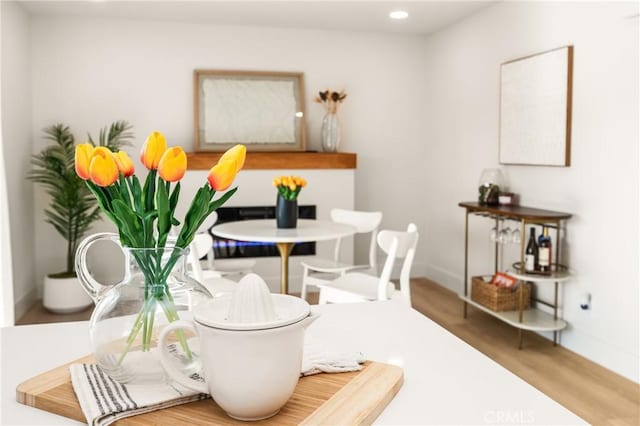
64 295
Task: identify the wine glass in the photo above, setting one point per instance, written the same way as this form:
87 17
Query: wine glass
516 238
493 234
504 236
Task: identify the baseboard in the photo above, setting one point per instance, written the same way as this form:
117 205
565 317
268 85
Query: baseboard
445 278
25 303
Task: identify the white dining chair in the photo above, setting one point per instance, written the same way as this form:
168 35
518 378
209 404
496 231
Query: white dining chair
212 280
321 271
358 287
227 267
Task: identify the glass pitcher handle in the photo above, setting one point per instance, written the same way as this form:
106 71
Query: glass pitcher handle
93 288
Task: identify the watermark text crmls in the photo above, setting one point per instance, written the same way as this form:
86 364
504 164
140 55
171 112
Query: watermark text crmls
510 417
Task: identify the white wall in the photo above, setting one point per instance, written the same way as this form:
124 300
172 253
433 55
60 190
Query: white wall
16 136
89 72
6 268
601 186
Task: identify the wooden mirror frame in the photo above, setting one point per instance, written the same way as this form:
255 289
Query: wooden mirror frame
248 96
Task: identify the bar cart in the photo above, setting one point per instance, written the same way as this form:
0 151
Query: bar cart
531 319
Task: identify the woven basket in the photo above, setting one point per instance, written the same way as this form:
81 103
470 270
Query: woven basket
496 298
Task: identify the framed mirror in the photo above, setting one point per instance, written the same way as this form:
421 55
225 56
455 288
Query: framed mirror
535 109
263 110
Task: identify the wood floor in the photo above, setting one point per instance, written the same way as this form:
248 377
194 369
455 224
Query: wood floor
594 393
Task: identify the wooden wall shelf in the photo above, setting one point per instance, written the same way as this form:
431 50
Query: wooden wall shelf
279 160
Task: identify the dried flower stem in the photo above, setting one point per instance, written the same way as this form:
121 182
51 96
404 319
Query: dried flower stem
330 100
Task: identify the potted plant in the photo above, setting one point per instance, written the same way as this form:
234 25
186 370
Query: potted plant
72 208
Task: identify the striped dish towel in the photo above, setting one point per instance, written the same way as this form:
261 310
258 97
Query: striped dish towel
104 401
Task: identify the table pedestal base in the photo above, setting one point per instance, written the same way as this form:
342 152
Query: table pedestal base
285 251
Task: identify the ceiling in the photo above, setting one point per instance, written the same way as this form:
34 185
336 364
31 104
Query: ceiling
425 17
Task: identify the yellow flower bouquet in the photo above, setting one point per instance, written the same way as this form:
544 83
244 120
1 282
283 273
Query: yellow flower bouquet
289 186
144 215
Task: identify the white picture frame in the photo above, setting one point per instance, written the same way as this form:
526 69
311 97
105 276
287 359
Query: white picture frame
535 109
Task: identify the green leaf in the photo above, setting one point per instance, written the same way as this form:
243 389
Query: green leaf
173 201
164 214
136 192
220 201
149 190
194 216
130 227
101 197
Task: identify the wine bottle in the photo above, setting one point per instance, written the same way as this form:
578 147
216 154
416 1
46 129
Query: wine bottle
531 253
544 252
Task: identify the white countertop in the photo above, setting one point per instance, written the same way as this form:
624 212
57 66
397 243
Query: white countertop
446 381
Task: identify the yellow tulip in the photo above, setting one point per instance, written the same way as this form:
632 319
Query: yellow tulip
238 153
292 187
276 182
84 151
103 169
173 164
222 174
152 150
125 165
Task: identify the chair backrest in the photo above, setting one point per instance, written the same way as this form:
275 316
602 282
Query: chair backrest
364 222
208 222
398 245
204 228
198 248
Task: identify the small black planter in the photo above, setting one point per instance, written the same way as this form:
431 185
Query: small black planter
286 212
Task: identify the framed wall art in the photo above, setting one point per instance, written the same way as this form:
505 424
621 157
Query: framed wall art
535 109
263 110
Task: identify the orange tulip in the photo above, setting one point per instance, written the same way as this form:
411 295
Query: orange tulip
152 150
238 153
125 165
173 164
222 174
103 169
84 151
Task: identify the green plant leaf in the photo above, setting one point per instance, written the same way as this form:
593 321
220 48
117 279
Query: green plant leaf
136 192
71 199
164 214
220 201
130 227
149 190
194 216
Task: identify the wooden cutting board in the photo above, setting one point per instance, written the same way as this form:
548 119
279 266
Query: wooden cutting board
347 398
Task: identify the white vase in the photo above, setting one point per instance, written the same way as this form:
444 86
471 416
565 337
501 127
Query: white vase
64 295
330 134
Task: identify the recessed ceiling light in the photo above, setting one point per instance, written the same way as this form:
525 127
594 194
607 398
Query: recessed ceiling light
399 14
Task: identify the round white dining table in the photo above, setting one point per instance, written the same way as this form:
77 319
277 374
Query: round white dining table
266 231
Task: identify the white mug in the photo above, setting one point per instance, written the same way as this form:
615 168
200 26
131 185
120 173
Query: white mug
250 374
